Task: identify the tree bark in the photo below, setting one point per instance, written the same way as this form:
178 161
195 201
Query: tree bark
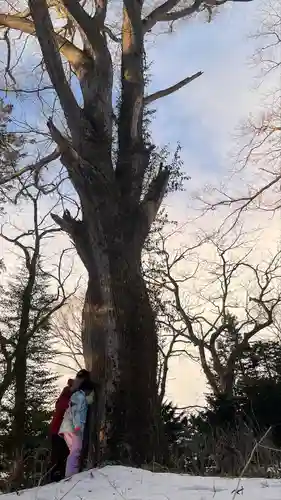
136 403
119 340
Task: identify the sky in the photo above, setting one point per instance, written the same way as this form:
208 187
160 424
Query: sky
204 117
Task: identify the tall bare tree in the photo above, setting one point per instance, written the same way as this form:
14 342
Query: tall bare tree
119 188
237 301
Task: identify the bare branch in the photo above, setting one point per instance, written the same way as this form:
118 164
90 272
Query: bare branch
90 26
67 327
72 53
111 35
23 248
30 317
206 332
8 65
170 90
165 12
35 167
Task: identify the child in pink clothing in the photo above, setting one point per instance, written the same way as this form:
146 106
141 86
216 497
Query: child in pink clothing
73 425
74 441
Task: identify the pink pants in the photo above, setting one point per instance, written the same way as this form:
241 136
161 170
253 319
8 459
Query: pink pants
74 443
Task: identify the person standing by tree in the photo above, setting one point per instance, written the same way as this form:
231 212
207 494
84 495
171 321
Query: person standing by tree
59 449
74 421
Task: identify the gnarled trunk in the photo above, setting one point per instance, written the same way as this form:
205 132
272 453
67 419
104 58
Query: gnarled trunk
120 349
136 404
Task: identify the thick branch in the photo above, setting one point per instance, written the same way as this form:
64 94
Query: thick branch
100 14
170 90
218 366
97 78
65 222
80 171
130 165
206 369
74 55
7 380
162 13
69 157
248 336
50 50
77 232
162 386
90 26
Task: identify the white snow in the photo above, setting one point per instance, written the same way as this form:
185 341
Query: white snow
122 483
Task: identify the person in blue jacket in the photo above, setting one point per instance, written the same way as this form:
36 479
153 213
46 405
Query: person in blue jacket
73 424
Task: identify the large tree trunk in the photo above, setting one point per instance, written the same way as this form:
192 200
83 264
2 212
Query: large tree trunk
136 402
118 208
120 348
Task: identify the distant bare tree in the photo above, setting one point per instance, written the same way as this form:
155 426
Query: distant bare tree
170 328
236 299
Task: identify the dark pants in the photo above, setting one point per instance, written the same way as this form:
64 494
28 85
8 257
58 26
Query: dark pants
59 454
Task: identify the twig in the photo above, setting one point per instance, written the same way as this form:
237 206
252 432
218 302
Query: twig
70 489
258 443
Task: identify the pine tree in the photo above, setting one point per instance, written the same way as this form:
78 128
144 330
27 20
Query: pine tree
40 381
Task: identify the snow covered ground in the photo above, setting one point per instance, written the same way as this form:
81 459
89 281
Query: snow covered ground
119 483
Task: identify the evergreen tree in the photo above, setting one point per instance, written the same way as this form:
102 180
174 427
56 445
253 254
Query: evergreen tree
40 381
256 403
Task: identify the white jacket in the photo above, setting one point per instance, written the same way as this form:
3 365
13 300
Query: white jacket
76 413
